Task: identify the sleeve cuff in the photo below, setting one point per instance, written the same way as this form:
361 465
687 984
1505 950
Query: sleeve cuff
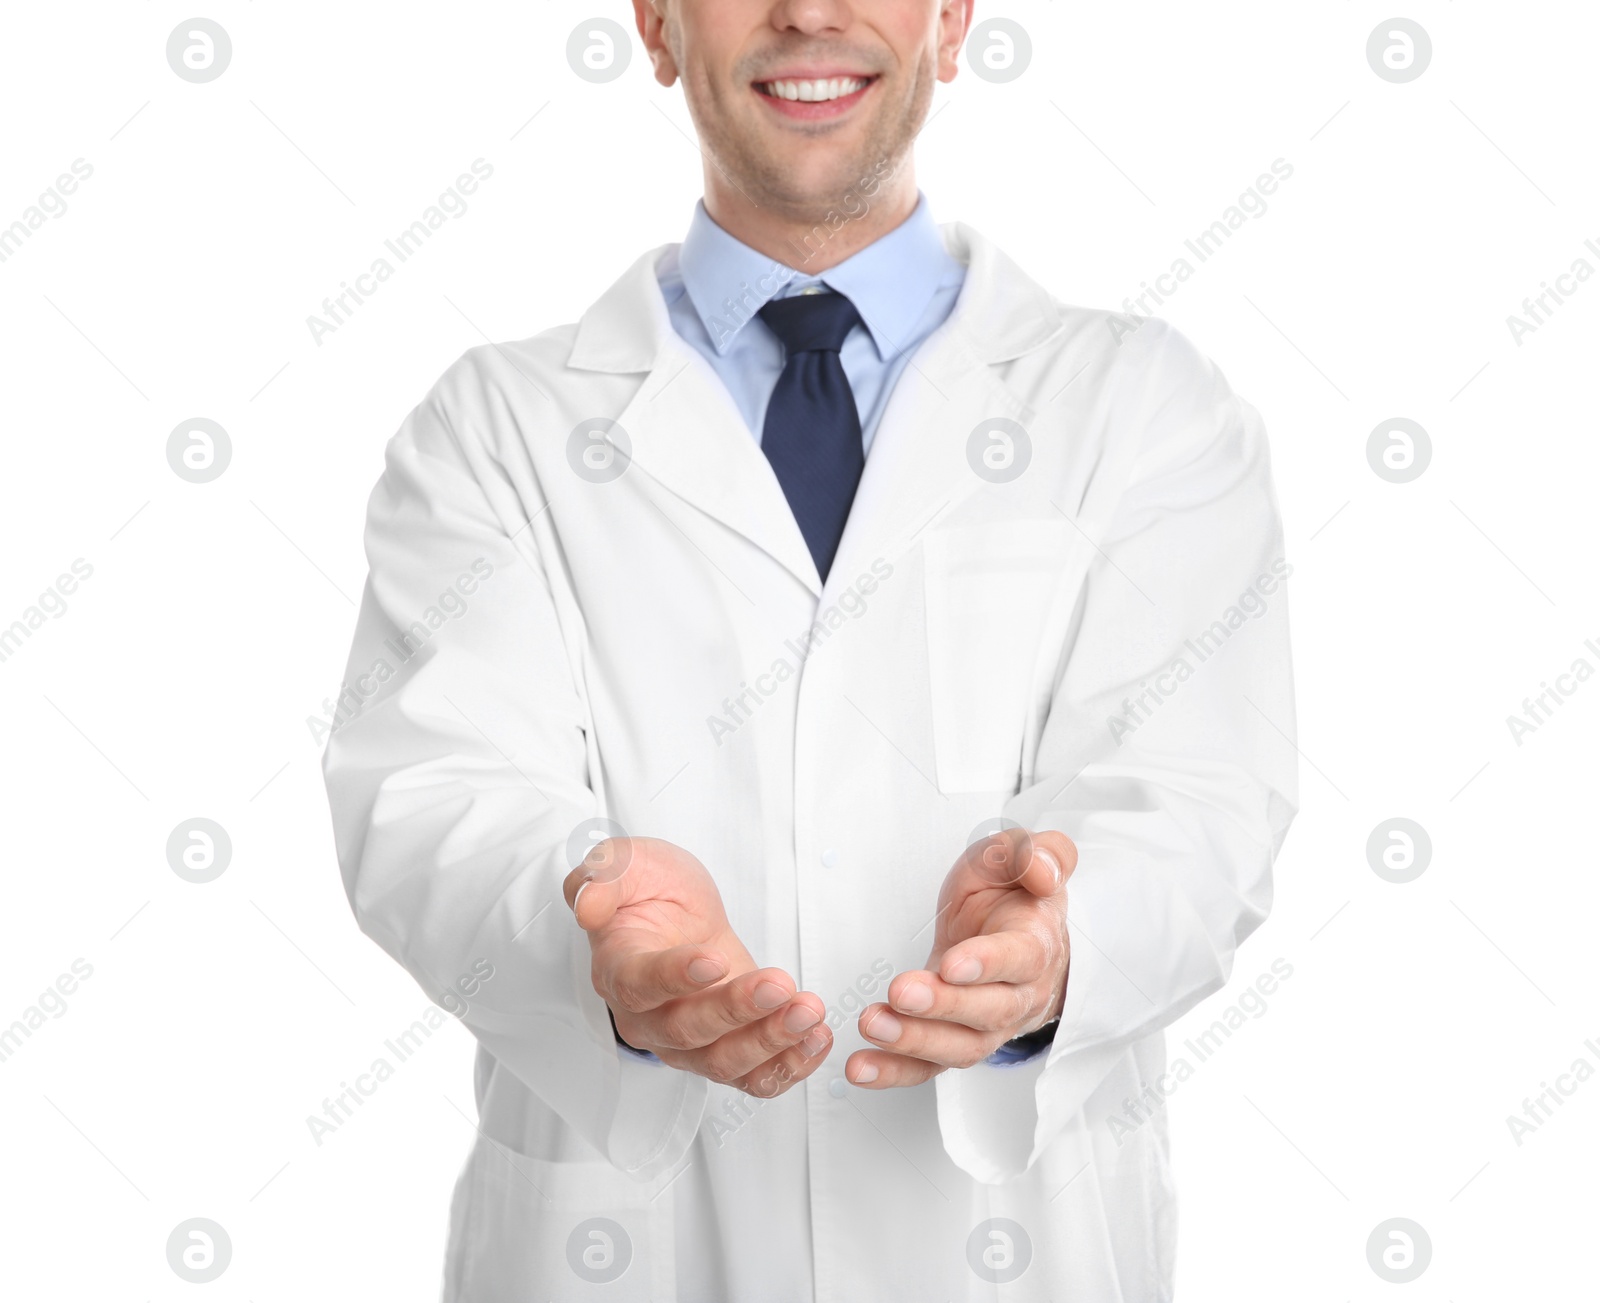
1022 1048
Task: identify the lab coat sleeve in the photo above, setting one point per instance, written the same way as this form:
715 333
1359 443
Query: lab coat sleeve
1167 753
461 770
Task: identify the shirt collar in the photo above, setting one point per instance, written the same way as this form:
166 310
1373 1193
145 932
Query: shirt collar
890 281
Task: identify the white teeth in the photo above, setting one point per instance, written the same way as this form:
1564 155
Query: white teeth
815 92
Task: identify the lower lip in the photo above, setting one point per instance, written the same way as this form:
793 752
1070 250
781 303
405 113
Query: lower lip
815 110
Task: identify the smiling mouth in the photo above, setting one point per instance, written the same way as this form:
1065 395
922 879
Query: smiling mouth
822 91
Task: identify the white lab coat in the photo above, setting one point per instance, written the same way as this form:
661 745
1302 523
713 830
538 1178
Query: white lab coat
636 648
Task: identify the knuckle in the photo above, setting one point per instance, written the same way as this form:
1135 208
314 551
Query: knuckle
703 1069
673 1029
738 1005
714 1066
1000 1022
999 1016
619 994
772 1040
623 997
772 1036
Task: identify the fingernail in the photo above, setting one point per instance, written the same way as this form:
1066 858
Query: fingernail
702 969
801 1017
866 1074
1055 864
814 1044
578 894
916 998
964 970
769 995
884 1026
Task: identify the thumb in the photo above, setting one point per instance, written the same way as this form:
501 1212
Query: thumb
600 884
1038 863
1053 858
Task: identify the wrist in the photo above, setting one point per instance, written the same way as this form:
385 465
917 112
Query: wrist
632 1049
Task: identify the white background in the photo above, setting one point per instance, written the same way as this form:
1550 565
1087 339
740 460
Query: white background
179 680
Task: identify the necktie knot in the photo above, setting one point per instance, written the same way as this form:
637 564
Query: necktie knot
811 323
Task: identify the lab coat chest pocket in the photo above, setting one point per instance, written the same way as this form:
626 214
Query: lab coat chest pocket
986 589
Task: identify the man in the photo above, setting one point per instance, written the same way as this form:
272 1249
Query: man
863 724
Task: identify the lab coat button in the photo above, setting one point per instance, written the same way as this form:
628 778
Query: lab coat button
836 1087
830 857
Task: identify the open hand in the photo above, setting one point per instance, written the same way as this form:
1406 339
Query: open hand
678 981
998 968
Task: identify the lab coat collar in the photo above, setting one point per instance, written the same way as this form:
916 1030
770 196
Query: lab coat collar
684 431
1001 310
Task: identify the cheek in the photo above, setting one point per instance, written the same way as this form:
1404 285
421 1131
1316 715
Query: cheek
700 87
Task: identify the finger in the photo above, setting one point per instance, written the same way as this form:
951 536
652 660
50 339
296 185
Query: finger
733 1056
645 979
1055 856
996 861
601 883
875 1070
945 1043
1039 863
790 1067
691 1021
1015 955
987 1006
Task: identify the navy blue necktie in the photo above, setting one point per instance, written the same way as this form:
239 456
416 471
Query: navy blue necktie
812 434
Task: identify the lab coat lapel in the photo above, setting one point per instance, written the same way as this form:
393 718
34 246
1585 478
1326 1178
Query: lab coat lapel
682 426
920 464
685 432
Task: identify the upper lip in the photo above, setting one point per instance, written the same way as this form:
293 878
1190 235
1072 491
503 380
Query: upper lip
812 75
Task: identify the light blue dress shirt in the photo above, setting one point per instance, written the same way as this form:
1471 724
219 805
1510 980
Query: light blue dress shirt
903 284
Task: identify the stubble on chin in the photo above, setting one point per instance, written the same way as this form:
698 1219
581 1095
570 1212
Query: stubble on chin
760 178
